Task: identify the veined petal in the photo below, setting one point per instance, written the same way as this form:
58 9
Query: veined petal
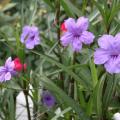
11 66
37 40
66 39
26 30
70 24
8 61
82 23
106 41
2 69
113 65
2 77
8 76
87 37
30 44
76 45
101 56
117 37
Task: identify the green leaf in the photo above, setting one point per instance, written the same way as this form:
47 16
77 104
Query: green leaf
110 89
67 5
114 10
65 98
97 95
93 72
84 82
48 2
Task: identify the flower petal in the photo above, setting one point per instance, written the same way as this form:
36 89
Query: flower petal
117 37
8 76
37 40
70 24
87 37
8 61
25 33
76 45
82 23
2 69
101 56
30 44
2 77
106 41
66 39
113 65
9 64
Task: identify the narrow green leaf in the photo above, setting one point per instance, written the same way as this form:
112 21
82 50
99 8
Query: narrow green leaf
85 83
110 89
97 95
67 100
67 5
93 73
48 2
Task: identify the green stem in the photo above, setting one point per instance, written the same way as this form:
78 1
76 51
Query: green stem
22 13
57 19
27 104
84 6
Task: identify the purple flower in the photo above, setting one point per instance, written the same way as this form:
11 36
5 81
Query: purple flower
48 99
76 33
7 70
30 36
108 53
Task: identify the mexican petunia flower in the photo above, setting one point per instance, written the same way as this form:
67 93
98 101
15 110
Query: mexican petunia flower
30 36
108 53
76 33
7 71
48 99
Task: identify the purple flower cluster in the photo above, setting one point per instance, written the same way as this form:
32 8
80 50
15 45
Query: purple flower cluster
76 33
48 99
30 36
108 53
7 71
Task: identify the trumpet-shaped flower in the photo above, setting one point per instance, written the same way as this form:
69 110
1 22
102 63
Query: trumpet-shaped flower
30 36
108 53
76 33
48 99
7 70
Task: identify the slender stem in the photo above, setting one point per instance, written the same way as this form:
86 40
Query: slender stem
27 104
72 85
57 19
72 80
84 6
22 13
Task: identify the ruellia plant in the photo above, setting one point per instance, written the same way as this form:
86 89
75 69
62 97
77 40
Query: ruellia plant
64 55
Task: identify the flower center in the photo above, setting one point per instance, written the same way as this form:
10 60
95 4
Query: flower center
114 55
32 37
76 36
48 98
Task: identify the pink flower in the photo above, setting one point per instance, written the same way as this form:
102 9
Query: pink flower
18 65
63 28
